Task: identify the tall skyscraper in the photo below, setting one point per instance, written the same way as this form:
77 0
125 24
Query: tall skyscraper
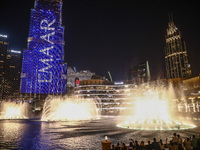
176 57
3 52
44 70
12 73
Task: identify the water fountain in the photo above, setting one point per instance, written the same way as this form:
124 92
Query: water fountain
14 110
152 110
58 108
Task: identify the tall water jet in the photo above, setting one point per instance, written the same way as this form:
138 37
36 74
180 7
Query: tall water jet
153 110
14 110
70 109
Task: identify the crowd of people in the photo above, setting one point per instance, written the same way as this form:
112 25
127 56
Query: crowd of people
177 143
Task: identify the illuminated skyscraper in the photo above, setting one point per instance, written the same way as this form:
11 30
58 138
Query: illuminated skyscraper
3 53
43 69
176 57
12 73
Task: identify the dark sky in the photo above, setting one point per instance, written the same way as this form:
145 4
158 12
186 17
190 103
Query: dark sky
111 35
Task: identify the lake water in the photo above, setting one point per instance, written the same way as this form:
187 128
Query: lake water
33 134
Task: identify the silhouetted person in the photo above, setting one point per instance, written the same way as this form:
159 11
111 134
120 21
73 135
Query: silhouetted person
187 144
180 143
175 139
149 146
194 142
198 142
113 147
142 147
161 145
118 147
131 146
137 145
155 145
123 146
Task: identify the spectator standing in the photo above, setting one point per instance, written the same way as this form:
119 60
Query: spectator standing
124 146
187 144
113 147
137 145
175 139
131 146
172 146
149 146
180 143
194 142
142 147
198 142
162 145
118 147
155 145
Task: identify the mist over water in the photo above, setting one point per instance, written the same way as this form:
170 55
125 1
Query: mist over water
14 110
57 108
153 110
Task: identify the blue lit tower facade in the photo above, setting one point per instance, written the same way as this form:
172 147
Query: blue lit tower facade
43 68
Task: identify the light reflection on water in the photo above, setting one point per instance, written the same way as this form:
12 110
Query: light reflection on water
33 134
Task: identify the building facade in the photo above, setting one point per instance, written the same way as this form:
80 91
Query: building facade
13 66
114 99
3 53
43 68
176 57
140 74
72 75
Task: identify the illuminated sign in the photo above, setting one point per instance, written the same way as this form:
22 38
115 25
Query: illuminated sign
4 36
15 51
46 67
118 83
77 82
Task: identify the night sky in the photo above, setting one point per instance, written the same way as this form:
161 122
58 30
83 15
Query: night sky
109 35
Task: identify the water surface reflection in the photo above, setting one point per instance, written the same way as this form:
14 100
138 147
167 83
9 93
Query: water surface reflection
33 134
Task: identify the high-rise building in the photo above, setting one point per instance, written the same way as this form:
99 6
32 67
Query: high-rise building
176 57
3 53
10 69
140 73
43 69
12 73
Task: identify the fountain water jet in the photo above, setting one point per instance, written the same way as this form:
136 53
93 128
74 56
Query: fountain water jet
14 110
153 110
69 109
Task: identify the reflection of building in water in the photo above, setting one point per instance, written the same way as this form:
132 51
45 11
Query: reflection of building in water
114 98
140 74
72 74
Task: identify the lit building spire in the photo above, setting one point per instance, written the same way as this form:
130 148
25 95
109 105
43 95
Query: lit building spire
176 57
